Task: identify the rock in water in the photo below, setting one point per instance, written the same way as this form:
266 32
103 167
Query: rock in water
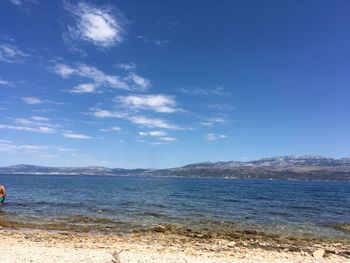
319 253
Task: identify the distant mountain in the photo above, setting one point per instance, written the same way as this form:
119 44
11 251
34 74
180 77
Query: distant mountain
90 170
282 167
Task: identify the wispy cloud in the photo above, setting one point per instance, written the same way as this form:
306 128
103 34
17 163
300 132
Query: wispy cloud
168 139
63 149
209 121
25 151
153 122
32 100
160 136
221 106
131 81
157 103
156 42
9 146
84 88
159 42
109 114
41 129
6 82
12 54
74 135
214 137
40 118
33 124
136 119
139 81
89 72
115 128
20 3
36 121
127 66
35 100
153 133
218 91
100 26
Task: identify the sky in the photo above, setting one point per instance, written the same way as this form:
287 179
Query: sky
157 84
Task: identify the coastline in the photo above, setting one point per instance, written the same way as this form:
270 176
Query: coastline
164 244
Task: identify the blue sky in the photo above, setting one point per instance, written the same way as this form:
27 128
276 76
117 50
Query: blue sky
166 83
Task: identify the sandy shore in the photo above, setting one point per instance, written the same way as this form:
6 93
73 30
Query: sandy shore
49 247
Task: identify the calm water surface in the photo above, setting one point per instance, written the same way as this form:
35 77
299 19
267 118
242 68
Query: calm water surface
123 204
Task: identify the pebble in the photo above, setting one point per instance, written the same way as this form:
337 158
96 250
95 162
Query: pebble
319 253
231 244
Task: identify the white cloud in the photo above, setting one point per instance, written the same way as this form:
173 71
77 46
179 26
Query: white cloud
108 114
153 133
157 103
9 146
11 54
139 81
67 150
35 100
214 137
100 77
115 128
143 38
41 129
221 106
209 121
152 122
19 3
16 2
159 135
159 42
92 73
6 83
127 66
32 100
64 70
136 119
218 91
36 121
100 26
78 136
84 88
40 118
168 139
156 42
34 124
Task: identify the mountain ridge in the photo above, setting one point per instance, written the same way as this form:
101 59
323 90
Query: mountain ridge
307 167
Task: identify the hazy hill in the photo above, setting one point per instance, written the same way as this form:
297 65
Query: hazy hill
283 167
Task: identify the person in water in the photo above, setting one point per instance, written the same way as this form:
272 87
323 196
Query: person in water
2 194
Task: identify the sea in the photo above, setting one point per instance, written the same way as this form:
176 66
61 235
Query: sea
125 204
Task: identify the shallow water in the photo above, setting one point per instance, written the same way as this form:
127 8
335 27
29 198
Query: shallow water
124 204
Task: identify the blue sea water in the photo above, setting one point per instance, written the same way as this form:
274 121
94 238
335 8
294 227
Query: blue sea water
124 204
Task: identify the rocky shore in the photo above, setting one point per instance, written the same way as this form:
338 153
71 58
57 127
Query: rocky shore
166 244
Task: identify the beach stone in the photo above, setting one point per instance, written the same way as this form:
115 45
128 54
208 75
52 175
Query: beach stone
160 228
319 253
231 244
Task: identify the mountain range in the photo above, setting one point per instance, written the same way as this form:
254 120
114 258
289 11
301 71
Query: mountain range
282 167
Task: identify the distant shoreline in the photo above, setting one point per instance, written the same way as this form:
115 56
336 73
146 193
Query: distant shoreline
303 168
